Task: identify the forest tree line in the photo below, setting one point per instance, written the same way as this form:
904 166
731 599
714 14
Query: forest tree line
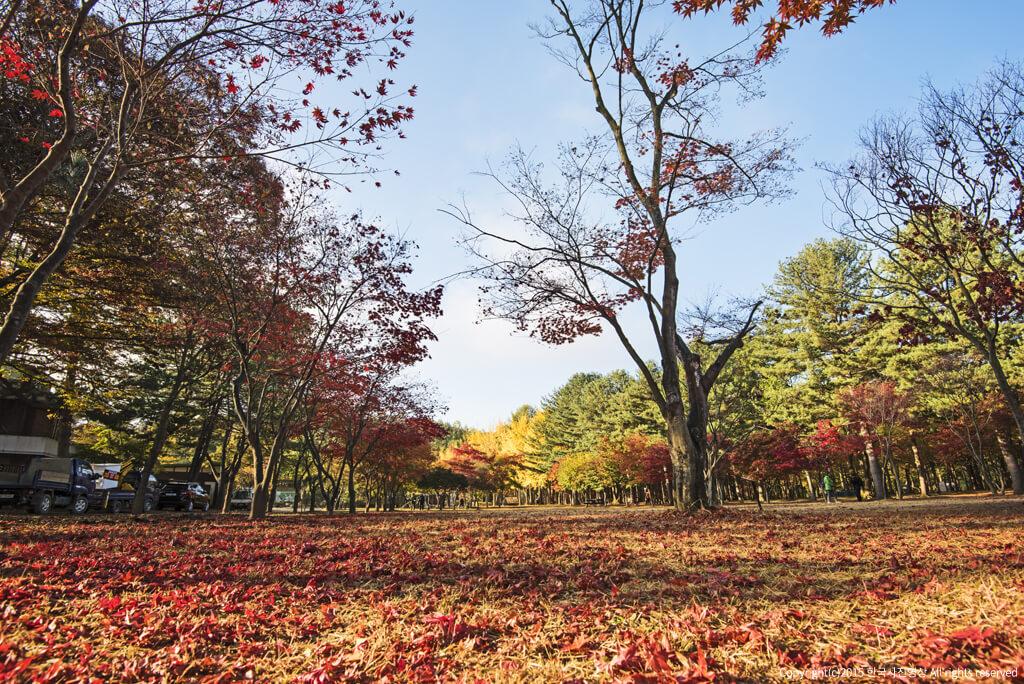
823 385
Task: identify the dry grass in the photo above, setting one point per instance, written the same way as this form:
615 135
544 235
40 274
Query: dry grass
518 595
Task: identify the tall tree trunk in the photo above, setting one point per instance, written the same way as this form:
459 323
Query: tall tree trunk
1012 400
296 485
224 491
229 470
259 503
203 439
65 421
891 467
922 473
220 499
694 491
272 498
811 494
679 458
1011 461
228 476
973 477
266 475
351 487
160 437
977 446
874 466
935 477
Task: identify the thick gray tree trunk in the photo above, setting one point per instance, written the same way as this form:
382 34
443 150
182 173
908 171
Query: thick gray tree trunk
874 467
1011 461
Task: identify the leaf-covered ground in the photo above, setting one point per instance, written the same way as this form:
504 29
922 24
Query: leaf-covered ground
520 595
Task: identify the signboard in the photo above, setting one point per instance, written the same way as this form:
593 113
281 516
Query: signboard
110 475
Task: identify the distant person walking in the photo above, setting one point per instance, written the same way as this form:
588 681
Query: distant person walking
830 488
858 486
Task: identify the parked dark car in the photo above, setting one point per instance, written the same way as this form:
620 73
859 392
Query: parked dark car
184 496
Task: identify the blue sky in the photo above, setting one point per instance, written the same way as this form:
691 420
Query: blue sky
485 84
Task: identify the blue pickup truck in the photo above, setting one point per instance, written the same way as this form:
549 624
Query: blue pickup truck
42 483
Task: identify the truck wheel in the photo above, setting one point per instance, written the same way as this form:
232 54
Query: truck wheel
206 507
42 502
79 505
189 506
115 507
147 505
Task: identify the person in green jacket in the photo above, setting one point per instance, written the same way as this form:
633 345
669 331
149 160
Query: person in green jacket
830 488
